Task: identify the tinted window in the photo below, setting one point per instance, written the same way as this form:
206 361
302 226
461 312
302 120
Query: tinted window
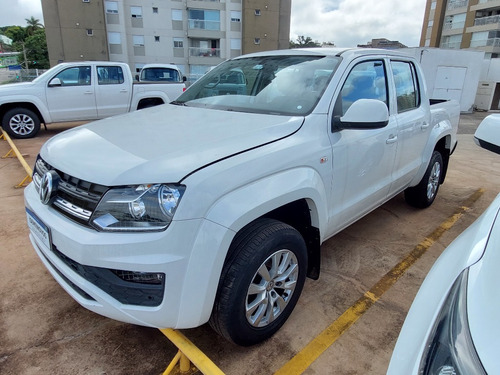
75 76
408 96
366 80
109 75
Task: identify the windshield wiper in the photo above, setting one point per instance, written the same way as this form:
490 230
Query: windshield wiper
175 102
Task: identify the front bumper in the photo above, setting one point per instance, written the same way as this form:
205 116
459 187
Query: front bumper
93 267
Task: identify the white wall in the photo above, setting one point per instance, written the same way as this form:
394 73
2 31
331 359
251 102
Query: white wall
451 74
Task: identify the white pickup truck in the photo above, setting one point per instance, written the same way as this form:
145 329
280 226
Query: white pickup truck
216 206
78 91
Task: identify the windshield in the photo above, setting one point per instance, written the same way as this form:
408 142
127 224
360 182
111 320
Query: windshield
283 85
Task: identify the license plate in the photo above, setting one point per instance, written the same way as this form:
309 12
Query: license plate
38 228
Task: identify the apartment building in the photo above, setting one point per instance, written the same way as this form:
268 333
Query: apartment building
460 24
193 34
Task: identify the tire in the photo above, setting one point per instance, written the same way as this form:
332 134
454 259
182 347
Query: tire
21 123
422 195
267 262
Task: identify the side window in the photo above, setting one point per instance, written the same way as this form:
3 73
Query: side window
75 76
109 75
367 80
407 91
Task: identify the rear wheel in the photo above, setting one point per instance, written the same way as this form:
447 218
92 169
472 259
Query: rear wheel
422 195
260 282
21 123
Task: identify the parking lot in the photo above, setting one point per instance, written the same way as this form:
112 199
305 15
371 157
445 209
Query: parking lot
44 331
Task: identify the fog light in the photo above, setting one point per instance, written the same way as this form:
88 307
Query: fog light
155 278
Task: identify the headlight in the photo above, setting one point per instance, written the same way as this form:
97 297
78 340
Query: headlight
450 349
137 208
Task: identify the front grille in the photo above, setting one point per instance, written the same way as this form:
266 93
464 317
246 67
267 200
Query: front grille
75 198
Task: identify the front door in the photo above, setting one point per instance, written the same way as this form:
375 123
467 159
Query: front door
74 98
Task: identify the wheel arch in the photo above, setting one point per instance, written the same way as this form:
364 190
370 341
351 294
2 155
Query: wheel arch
4 108
443 146
295 197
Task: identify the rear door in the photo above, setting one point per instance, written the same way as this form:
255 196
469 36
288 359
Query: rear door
113 91
363 160
413 122
74 98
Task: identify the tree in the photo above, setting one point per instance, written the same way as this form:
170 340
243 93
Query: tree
33 25
304 42
36 50
16 33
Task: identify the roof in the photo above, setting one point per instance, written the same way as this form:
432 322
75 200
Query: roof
328 52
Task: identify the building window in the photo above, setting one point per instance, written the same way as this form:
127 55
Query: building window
235 16
90 32
433 5
155 10
178 43
257 12
204 19
235 43
138 40
138 67
256 41
114 38
136 12
112 7
157 38
176 15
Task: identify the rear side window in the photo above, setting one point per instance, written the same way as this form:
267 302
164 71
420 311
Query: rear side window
407 90
367 80
109 75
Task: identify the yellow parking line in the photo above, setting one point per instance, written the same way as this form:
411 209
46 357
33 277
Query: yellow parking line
303 359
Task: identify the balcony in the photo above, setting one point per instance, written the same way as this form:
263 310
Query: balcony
204 25
204 52
454 26
450 45
457 4
490 42
487 20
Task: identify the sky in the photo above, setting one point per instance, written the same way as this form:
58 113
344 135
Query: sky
346 23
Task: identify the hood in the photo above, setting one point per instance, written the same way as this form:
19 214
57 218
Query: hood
161 144
483 298
14 88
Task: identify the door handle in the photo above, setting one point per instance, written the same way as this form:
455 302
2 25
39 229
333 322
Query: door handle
88 92
392 139
424 125
124 90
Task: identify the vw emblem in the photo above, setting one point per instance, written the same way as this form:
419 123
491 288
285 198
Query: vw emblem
48 186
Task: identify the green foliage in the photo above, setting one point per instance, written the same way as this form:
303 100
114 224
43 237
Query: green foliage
16 33
36 50
30 40
304 42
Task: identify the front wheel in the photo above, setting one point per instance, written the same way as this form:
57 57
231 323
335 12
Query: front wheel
422 195
260 283
21 123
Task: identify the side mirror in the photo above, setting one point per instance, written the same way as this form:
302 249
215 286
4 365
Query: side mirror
137 77
488 133
184 79
55 82
364 114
